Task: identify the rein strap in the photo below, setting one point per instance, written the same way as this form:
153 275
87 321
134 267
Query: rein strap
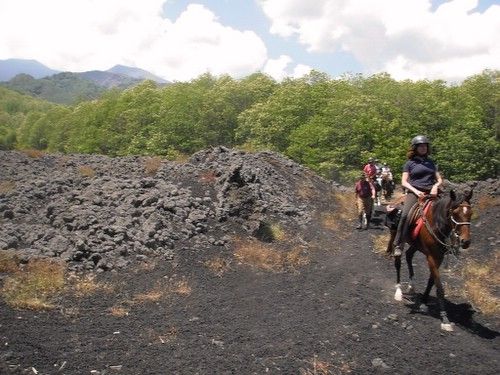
460 222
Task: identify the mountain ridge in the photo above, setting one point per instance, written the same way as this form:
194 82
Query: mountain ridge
10 68
35 79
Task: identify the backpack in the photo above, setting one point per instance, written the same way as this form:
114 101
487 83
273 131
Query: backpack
364 189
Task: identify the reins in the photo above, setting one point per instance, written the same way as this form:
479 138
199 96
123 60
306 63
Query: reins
454 245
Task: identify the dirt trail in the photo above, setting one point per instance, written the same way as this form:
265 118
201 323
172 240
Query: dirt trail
336 314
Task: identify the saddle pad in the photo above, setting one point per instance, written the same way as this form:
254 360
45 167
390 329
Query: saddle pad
420 221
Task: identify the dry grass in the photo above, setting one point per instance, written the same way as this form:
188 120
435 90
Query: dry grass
7 186
317 368
307 192
35 285
265 257
119 311
181 287
270 232
153 295
9 261
380 243
328 221
87 285
169 336
347 205
145 266
162 290
152 165
86 171
480 281
218 266
277 232
35 154
208 177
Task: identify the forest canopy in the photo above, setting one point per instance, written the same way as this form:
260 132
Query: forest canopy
330 125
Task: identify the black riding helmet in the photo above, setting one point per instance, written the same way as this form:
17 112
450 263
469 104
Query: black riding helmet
418 140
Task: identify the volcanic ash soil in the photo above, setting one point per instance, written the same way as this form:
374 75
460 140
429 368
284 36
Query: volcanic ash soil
228 263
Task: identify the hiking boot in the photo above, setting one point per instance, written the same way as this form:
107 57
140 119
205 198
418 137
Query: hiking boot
397 252
360 225
367 225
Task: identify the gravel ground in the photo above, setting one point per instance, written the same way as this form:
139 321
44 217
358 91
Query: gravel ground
198 299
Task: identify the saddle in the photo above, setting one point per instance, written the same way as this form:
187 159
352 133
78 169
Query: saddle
417 214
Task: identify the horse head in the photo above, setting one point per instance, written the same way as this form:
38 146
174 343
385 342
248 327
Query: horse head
460 215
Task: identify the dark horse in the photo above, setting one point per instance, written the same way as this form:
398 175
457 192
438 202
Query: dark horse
387 186
446 227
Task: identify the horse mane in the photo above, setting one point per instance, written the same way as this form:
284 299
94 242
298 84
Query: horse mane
440 215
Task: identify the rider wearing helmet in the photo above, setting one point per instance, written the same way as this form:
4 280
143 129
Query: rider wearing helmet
420 177
386 170
370 169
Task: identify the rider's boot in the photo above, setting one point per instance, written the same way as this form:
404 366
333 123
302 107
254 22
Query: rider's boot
368 218
398 246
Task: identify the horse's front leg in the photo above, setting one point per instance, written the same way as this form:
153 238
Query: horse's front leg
409 261
436 279
398 295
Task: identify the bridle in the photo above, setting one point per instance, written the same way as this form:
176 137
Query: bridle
455 228
454 235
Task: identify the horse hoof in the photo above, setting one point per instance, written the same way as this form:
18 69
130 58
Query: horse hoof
398 296
448 327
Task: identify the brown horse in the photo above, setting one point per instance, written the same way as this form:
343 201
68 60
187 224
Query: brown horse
446 227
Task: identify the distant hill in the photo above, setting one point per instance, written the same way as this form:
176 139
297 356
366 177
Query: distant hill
12 67
35 79
62 88
108 79
135 73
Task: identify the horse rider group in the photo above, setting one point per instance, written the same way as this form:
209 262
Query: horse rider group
420 177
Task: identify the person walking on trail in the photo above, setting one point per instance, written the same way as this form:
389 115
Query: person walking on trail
365 194
420 177
386 172
370 169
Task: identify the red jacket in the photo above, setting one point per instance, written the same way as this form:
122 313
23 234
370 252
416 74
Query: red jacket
370 170
364 189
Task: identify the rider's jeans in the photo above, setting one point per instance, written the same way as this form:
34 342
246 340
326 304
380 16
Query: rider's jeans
410 200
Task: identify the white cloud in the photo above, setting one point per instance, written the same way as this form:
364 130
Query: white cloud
276 67
80 35
407 39
279 68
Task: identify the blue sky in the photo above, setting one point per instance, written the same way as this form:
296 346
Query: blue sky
181 39
246 14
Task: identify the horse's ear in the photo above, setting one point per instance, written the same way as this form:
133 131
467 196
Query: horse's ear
468 195
453 195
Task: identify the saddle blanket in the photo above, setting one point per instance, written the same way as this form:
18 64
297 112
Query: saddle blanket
420 220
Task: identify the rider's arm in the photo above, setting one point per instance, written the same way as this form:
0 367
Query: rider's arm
439 182
406 184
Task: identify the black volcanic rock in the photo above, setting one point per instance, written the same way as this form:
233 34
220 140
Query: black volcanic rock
54 210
